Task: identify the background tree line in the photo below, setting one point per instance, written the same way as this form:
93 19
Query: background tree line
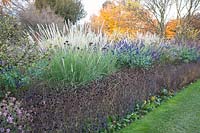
33 12
117 17
132 16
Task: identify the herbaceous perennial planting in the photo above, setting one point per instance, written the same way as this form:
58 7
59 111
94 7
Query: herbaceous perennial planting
76 55
72 56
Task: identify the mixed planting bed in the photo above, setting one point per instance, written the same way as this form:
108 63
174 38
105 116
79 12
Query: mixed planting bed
73 80
114 95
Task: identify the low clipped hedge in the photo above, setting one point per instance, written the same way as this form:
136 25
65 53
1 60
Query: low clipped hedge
86 108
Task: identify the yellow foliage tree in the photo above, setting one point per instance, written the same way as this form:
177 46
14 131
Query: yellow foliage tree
171 28
121 19
191 33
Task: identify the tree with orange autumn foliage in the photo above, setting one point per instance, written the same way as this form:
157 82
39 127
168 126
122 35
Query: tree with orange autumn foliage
171 28
192 31
121 18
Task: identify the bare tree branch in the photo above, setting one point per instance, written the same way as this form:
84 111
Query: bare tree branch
160 10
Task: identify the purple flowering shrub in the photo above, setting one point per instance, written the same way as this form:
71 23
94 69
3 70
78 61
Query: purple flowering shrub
13 118
141 55
136 54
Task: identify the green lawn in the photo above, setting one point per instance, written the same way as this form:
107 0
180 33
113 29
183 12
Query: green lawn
181 114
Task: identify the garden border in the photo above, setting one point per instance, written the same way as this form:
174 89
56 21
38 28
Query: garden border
88 107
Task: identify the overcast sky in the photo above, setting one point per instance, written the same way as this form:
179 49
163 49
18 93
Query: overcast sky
92 7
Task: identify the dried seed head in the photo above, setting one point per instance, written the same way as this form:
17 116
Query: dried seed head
90 44
104 48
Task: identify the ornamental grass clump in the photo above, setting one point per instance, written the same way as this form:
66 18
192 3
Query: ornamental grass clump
78 66
148 38
77 55
50 36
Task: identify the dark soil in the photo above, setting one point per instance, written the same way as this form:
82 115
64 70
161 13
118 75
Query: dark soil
88 107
